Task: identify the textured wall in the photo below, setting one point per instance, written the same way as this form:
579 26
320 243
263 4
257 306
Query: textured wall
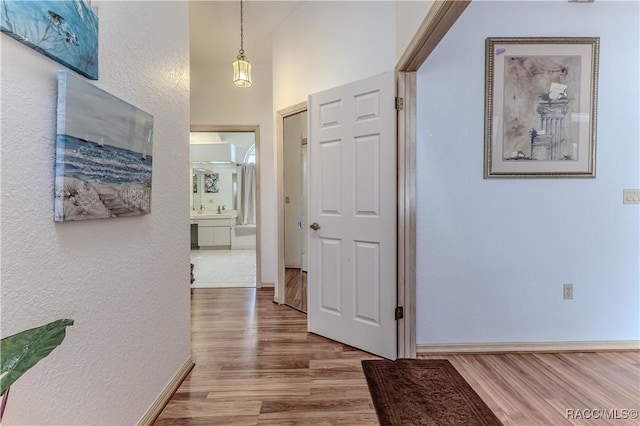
493 254
124 281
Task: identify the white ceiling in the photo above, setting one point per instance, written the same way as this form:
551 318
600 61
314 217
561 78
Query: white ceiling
215 29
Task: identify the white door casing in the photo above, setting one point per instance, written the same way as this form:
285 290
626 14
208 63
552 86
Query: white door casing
305 205
353 183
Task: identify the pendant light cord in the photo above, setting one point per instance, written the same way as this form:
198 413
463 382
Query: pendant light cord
241 29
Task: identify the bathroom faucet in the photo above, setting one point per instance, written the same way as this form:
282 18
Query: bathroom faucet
218 209
201 207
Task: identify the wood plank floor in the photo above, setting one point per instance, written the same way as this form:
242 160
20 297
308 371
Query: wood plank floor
257 365
295 288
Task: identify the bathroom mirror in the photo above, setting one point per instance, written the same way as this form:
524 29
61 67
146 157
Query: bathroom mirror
216 159
213 187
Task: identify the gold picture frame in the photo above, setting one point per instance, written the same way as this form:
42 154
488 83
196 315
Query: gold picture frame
540 107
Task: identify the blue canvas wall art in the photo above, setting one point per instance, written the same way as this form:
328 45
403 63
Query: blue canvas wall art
64 30
104 154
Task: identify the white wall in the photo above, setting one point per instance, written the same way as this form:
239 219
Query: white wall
327 44
493 254
216 101
409 16
124 281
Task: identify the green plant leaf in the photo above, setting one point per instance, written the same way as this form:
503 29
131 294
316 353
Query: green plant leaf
20 352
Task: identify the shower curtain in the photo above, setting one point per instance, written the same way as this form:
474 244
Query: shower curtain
247 213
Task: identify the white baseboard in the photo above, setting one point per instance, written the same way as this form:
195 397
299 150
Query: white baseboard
607 345
158 405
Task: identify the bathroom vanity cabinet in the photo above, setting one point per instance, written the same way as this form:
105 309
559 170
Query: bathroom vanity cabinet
215 232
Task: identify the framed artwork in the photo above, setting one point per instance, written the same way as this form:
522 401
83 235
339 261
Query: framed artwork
195 183
104 149
211 183
64 30
540 107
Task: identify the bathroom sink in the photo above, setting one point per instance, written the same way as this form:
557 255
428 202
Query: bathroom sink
208 214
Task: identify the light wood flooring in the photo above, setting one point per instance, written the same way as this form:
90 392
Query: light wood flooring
295 288
257 365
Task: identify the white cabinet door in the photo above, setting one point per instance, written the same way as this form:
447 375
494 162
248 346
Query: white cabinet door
215 232
206 236
222 236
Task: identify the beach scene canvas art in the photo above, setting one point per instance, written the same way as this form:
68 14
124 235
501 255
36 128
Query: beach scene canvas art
104 149
64 30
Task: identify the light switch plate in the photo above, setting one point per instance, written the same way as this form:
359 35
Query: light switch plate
631 196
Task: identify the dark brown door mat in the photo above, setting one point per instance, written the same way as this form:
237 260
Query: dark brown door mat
424 392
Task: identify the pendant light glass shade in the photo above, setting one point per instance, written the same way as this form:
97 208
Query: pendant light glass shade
241 67
242 72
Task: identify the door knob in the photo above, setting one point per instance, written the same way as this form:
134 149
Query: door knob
314 226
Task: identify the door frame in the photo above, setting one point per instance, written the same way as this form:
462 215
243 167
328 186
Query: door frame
440 18
278 295
256 131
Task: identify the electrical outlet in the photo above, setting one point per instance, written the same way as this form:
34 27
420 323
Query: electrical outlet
567 291
631 196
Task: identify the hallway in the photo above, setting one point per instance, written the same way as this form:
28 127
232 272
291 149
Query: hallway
257 365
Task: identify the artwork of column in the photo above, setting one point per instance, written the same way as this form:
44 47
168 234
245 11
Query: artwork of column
548 143
540 106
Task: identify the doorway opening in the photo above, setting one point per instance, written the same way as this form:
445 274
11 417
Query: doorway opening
225 249
441 16
295 183
292 259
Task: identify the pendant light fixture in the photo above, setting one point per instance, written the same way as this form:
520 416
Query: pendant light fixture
241 67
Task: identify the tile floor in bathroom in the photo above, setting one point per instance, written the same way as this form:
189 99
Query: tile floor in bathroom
223 268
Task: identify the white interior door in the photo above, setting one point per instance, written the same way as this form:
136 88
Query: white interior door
352 200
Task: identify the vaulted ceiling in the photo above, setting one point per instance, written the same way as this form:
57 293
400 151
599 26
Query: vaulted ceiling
215 29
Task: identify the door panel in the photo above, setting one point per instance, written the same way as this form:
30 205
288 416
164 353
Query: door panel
330 178
330 279
367 282
367 178
352 254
